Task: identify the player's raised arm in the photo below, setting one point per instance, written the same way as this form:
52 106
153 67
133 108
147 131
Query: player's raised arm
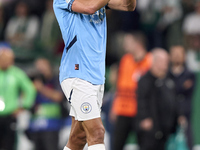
123 5
88 6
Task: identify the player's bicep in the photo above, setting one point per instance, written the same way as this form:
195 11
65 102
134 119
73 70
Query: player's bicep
123 5
80 7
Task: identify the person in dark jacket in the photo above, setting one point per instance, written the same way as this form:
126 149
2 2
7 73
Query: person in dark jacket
157 106
185 82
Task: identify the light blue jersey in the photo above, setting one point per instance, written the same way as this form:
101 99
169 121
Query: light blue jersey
85 43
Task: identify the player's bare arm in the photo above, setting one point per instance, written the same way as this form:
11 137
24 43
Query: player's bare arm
123 5
88 6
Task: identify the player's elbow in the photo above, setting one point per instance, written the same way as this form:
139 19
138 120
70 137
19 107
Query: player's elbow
131 6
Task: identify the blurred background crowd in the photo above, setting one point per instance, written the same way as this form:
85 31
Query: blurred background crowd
152 90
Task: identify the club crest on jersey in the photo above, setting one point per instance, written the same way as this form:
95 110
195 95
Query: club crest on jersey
86 108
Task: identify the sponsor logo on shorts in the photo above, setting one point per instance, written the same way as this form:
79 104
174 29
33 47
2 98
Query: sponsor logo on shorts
86 108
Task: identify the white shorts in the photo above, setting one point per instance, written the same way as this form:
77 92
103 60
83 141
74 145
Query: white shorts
84 97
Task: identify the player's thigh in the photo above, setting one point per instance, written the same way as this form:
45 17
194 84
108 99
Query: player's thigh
77 139
77 131
94 127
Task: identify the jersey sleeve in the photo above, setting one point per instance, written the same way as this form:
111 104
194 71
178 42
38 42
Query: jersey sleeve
64 4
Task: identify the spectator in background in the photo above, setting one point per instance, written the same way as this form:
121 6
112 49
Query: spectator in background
132 66
192 38
21 31
159 19
193 53
172 11
150 12
188 6
157 105
170 23
50 32
46 120
16 93
192 21
184 83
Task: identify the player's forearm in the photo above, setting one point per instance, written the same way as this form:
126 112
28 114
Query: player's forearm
88 6
123 5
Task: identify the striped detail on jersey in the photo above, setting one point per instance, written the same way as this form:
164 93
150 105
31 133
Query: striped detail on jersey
72 43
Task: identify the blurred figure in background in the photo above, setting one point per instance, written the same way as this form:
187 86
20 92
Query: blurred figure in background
170 23
157 105
184 83
150 13
192 38
16 93
188 6
21 32
46 120
160 21
192 21
132 66
50 32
